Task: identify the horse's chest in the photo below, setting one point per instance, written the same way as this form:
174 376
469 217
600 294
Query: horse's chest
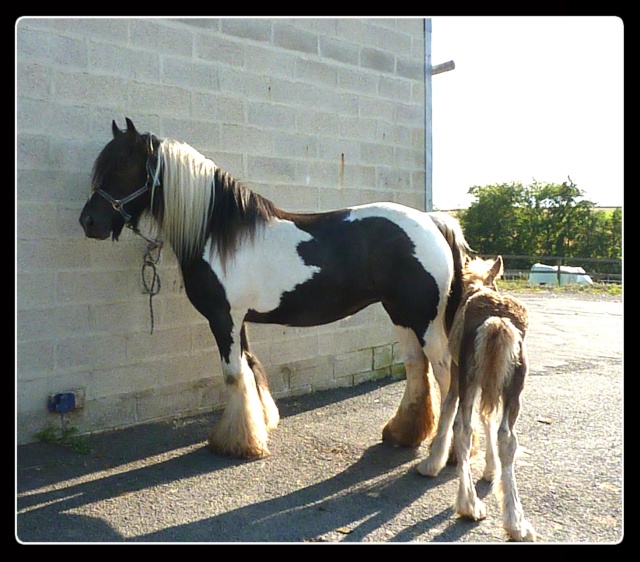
264 269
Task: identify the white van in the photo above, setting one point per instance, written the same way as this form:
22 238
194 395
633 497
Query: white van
542 274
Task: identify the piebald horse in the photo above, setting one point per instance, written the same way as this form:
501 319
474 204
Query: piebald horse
245 260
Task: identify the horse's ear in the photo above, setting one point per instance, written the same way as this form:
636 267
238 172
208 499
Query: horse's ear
130 126
497 269
115 128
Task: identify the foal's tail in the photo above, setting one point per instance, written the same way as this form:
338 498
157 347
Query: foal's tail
452 232
496 354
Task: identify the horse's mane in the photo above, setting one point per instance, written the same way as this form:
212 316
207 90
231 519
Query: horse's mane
200 201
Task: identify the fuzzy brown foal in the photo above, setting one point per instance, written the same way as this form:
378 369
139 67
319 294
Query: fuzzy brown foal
487 344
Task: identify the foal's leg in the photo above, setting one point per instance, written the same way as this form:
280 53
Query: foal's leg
242 431
415 419
467 502
516 526
439 452
491 469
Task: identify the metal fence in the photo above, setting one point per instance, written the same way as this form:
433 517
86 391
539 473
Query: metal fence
601 270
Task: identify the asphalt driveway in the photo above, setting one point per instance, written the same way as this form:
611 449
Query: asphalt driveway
330 479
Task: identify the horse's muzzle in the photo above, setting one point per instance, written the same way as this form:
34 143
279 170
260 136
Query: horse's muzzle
91 229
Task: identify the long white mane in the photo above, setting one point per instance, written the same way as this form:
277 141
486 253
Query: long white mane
187 190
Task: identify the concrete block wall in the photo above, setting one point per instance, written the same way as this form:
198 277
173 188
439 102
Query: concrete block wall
315 114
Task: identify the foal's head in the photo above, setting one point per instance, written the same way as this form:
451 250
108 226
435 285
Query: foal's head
479 273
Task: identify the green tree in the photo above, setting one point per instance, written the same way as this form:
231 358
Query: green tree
540 219
560 216
493 223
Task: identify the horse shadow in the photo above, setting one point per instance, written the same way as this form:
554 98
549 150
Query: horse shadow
55 487
347 507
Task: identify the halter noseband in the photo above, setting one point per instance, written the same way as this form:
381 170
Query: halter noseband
118 204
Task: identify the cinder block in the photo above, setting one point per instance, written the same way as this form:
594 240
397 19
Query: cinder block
355 80
316 72
311 372
33 80
151 99
248 28
268 61
124 61
339 50
213 48
162 35
270 115
191 75
412 68
40 45
271 169
102 90
376 59
35 360
38 255
288 37
90 352
382 356
35 289
354 362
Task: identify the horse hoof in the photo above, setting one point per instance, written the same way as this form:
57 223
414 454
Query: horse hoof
396 434
238 451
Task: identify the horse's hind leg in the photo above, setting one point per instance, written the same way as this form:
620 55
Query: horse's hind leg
415 419
516 526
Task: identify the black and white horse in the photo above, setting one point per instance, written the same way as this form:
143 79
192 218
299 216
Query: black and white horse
244 260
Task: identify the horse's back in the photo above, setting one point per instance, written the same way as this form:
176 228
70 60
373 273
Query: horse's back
381 252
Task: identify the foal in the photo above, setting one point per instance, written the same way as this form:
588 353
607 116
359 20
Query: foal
487 344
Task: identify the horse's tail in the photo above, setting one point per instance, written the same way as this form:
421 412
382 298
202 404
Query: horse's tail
496 354
452 232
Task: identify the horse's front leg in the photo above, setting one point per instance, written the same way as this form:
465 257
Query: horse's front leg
249 412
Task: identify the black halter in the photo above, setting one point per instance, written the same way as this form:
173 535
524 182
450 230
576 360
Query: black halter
118 204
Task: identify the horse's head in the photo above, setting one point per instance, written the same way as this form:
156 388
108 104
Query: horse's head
121 184
479 273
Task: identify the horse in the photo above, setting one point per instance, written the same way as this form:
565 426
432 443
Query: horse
489 356
244 260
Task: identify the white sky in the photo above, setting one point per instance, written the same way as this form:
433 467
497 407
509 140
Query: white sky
530 97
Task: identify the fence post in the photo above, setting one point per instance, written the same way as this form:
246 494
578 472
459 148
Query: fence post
559 264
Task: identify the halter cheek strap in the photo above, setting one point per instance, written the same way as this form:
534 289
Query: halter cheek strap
118 204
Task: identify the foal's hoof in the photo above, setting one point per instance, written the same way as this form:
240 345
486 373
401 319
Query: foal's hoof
525 533
474 510
429 467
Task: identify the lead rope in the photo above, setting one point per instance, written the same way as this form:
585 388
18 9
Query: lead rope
149 262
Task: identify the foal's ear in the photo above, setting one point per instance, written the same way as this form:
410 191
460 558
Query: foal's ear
497 269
